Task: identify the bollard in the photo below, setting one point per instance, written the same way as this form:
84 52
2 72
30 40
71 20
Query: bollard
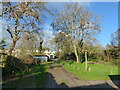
88 69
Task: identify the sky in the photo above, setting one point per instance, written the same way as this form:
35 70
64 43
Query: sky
109 19
108 12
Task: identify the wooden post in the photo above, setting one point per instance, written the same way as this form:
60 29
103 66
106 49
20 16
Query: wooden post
86 60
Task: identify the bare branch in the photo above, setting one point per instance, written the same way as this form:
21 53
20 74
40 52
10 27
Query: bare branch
10 32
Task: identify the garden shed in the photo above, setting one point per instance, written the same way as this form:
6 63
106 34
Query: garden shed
41 58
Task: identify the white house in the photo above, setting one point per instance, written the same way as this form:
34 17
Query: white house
50 54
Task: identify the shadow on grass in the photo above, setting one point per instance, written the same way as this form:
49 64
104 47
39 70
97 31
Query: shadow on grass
98 86
40 81
53 84
36 78
115 79
12 64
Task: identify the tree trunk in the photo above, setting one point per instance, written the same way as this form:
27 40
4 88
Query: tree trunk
76 54
14 38
11 47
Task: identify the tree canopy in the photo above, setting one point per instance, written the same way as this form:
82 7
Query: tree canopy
77 23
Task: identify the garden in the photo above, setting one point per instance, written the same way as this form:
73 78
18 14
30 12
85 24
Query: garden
36 77
96 72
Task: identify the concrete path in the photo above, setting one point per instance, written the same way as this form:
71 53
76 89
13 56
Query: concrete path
60 78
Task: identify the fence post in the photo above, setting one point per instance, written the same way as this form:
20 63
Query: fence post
86 60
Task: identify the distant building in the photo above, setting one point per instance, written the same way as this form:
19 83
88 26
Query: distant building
46 51
41 58
49 53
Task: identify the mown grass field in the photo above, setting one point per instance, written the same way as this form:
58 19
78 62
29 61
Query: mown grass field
97 71
34 78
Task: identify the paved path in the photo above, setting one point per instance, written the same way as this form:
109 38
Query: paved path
60 78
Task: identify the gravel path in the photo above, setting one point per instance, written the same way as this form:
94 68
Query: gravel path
60 78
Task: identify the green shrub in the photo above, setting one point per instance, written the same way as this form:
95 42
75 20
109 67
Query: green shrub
68 56
13 65
3 58
114 61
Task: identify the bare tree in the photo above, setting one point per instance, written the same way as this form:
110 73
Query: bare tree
78 23
26 45
23 17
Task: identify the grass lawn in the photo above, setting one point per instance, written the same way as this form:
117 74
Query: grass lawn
35 78
97 72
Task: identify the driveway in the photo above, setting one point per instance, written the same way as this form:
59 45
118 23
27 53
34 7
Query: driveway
60 78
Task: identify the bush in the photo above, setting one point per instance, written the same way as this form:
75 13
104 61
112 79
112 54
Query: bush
114 61
3 58
68 56
13 65
27 59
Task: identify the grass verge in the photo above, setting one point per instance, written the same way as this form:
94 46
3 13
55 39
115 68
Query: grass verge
36 77
97 71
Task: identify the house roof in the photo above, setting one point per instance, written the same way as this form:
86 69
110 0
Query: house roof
41 55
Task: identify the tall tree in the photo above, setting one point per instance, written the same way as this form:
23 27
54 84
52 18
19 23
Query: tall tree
115 38
113 50
78 23
63 43
94 49
23 17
